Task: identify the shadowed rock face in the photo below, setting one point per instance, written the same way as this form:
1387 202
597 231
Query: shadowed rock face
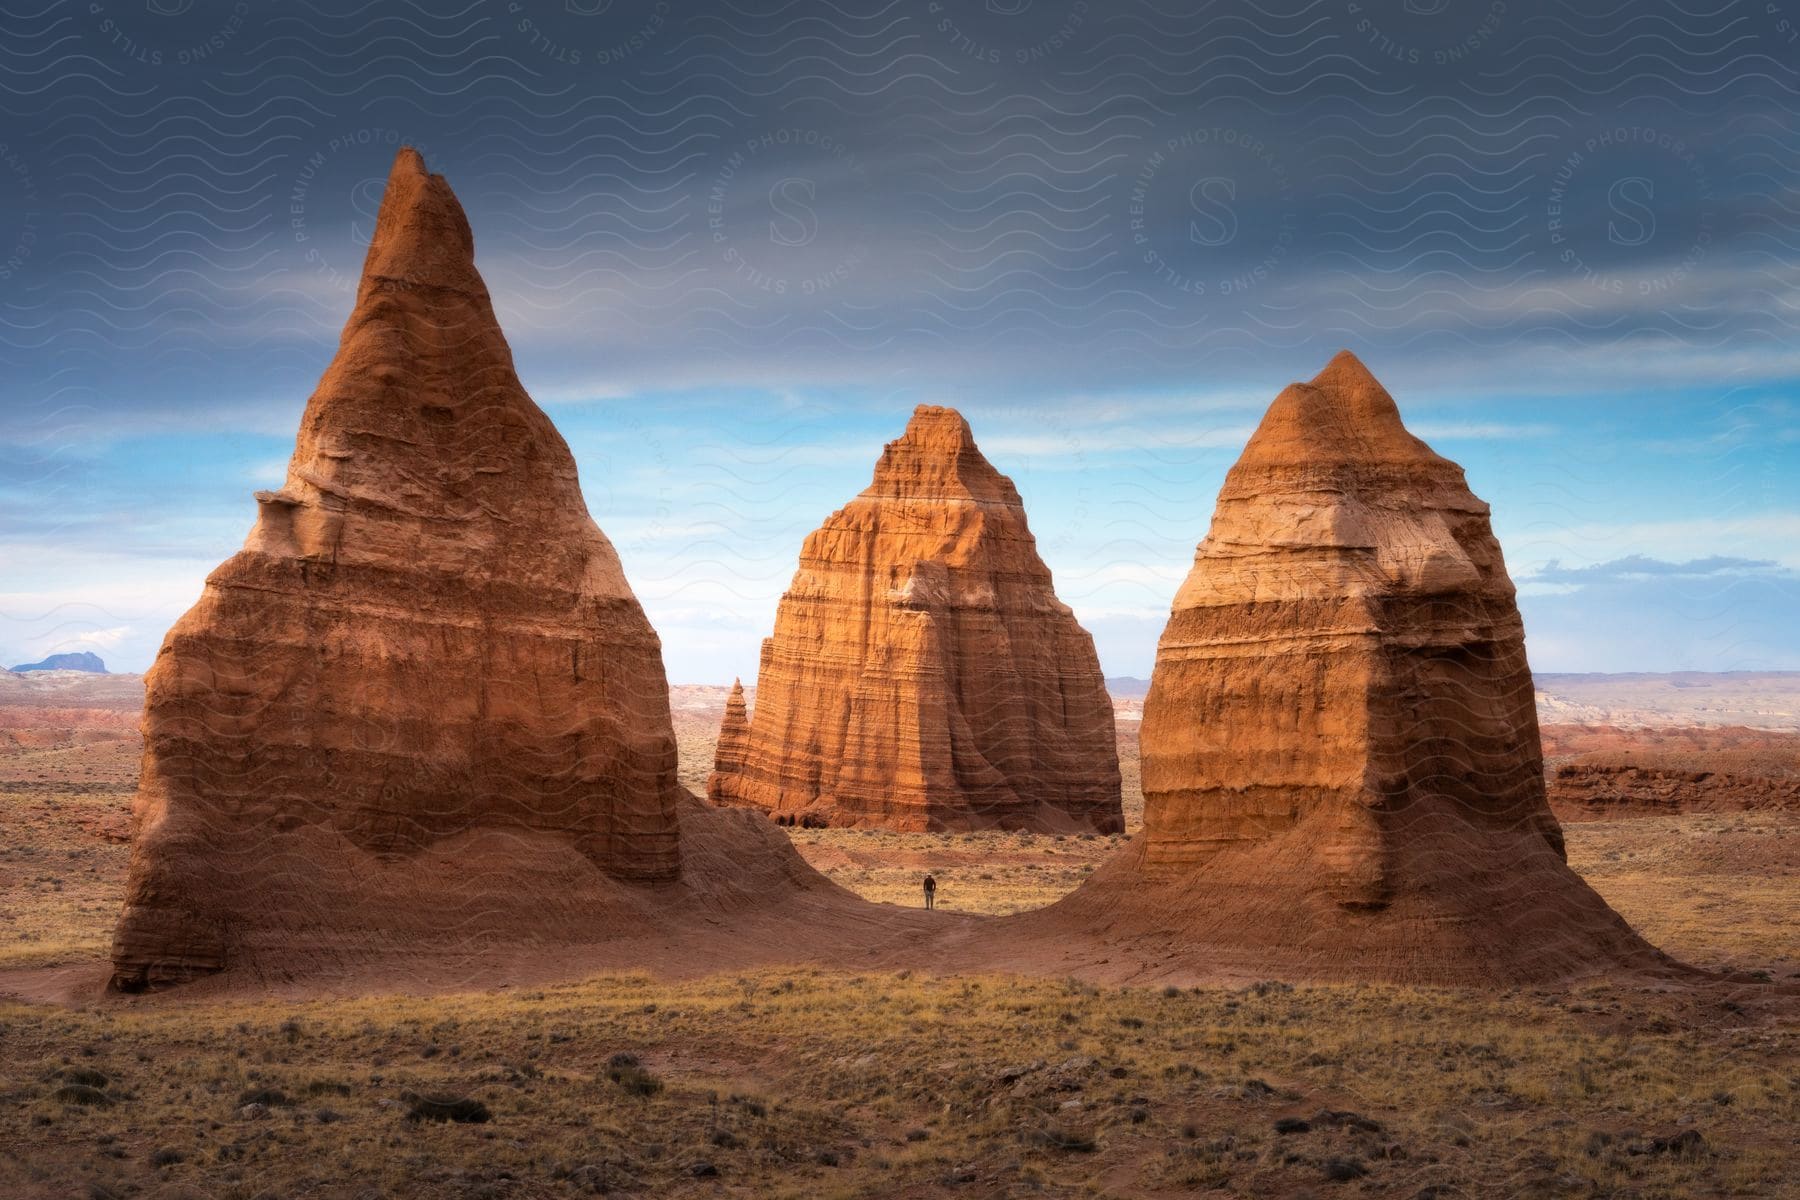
922 674
424 635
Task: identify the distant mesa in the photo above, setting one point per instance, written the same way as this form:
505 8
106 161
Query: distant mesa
421 711
1129 687
1626 784
922 674
1341 766
83 660
1601 771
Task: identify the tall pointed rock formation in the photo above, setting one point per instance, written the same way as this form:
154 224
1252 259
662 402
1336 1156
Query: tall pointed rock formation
424 638
734 734
1346 642
1341 767
922 674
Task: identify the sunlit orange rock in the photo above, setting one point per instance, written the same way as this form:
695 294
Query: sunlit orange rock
424 637
922 674
1341 767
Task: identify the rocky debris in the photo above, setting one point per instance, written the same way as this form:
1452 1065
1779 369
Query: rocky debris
267 1097
1689 1143
1011 1075
922 674
84 1076
424 638
461 1109
81 1094
1329 1118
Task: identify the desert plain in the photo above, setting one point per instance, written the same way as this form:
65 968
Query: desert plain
538 1078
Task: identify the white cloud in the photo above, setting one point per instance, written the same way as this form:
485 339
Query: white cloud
1452 431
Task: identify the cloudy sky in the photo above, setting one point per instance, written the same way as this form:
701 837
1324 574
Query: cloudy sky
733 244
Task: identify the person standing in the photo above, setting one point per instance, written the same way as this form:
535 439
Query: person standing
930 892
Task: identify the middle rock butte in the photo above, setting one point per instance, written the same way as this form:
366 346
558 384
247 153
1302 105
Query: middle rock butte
922 674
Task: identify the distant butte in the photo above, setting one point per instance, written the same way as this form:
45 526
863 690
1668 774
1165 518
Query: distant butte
84 660
922 674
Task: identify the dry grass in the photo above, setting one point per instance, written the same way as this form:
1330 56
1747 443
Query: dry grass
809 1083
63 812
1717 890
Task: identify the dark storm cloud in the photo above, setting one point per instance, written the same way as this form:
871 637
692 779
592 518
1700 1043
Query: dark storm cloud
1047 191
1108 231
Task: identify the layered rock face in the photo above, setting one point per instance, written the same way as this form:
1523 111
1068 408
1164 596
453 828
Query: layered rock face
1347 643
1634 784
1341 766
424 637
922 674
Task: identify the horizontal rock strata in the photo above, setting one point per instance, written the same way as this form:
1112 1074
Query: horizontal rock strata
1341 767
425 639
922 674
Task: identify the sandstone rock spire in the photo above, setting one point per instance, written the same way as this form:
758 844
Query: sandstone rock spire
922 674
734 733
1341 767
1346 641
424 636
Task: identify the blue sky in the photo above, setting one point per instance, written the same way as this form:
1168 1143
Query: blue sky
732 245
